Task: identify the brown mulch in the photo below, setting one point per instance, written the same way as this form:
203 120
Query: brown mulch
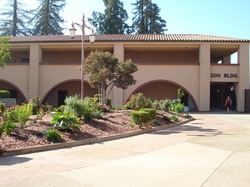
112 123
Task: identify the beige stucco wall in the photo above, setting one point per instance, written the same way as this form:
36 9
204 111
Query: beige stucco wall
189 70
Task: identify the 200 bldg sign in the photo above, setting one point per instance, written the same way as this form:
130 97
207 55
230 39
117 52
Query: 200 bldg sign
225 75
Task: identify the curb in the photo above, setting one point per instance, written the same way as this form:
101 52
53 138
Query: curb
86 142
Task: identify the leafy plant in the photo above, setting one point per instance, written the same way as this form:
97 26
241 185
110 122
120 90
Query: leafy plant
8 127
178 107
186 116
36 104
10 114
174 117
155 121
75 105
138 101
23 112
2 107
65 121
52 135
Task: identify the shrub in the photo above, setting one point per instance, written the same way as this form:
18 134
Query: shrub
155 121
164 105
5 94
10 114
2 107
178 107
23 113
138 101
65 121
8 127
140 117
85 108
186 116
60 108
36 104
52 135
151 111
75 105
174 117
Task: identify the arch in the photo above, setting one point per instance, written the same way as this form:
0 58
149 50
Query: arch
165 81
66 88
20 95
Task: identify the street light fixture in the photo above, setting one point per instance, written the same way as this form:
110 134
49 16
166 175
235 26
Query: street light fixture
91 39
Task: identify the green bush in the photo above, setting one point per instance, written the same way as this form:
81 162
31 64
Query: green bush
75 105
140 117
60 108
151 111
186 116
23 113
52 135
65 121
2 107
36 104
138 101
85 108
8 127
178 107
5 94
174 117
10 114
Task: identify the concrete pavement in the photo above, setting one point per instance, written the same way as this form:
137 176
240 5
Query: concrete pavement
213 150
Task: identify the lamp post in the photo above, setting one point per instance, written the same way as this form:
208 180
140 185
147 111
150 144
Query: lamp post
91 39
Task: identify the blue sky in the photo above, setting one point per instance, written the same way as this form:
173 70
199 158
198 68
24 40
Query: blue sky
213 17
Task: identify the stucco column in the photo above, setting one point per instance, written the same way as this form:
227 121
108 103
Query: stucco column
204 99
117 93
35 58
243 58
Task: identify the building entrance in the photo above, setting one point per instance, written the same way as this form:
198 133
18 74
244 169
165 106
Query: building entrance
219 93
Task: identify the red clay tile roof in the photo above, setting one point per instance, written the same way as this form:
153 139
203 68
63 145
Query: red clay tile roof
129 38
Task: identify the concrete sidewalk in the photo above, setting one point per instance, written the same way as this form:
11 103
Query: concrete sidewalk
213 150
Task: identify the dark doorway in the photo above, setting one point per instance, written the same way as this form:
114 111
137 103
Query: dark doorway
62 94
215 97
219 93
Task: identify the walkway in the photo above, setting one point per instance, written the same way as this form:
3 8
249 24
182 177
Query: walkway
213 150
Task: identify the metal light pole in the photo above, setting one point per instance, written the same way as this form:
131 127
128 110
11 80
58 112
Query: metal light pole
91 39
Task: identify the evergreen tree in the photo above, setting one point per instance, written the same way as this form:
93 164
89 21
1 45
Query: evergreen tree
146 18
105 71
5 54
15 22
47 19
113 21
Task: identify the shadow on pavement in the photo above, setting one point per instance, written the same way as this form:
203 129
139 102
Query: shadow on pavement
12 160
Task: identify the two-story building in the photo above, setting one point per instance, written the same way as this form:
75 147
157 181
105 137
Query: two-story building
207 68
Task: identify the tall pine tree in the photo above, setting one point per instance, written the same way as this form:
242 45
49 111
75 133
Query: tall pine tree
47 19
113 21
146 18
15 20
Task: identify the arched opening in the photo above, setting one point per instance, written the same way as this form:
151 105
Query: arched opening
14 90
59 92
162 89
